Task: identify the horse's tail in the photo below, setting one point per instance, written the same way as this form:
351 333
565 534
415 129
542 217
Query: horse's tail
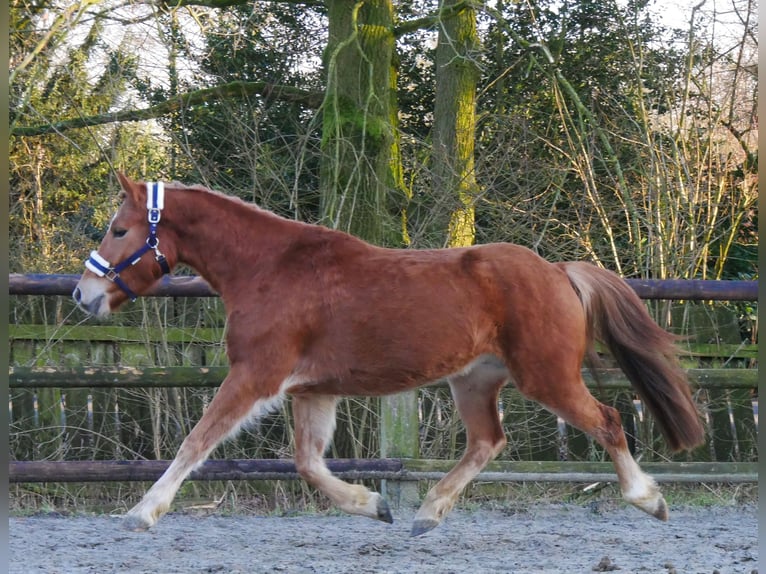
646 353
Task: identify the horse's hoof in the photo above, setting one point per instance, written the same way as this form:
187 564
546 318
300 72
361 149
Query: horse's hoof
384 512
422 526
134 523
661 513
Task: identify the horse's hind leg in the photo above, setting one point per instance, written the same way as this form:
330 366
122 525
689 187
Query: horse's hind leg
475 394
234 402
567 396
314 425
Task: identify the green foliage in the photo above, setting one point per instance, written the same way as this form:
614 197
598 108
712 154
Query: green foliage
592 142
260 148
61 187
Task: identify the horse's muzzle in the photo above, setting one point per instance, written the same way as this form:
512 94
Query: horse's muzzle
91 307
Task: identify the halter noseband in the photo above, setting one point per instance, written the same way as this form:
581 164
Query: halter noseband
155 202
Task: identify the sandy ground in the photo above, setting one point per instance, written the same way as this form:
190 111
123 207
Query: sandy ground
538 538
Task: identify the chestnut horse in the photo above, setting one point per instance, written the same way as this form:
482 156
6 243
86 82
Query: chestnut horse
317 314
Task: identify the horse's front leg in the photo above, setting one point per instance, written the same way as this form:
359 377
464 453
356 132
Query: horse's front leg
314 425
238 399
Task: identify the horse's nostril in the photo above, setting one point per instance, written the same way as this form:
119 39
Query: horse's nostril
76 295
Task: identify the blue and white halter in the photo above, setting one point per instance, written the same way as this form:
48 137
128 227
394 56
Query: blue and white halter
155 202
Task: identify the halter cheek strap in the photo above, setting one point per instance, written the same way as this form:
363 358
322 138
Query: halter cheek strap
155 203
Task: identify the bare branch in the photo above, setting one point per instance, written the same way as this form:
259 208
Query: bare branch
233 90
66 18
433 19
226 3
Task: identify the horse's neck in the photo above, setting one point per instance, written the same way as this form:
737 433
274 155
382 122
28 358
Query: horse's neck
222 239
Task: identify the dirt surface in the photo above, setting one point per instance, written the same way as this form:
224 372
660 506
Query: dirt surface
538 538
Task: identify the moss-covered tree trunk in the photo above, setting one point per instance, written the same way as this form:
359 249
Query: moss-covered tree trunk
457 75
358 169
361 168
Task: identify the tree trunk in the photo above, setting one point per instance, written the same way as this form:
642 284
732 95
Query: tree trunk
358 169
457 74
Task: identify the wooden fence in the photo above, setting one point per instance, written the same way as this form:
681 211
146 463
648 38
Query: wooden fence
729 395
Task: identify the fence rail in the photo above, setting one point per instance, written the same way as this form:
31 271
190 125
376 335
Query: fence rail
375 469
195 286
209 377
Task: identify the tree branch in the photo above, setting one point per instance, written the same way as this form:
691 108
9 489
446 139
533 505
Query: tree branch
751 161
432 19
227 3
232 90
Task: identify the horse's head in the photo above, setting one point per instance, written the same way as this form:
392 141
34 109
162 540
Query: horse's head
129 261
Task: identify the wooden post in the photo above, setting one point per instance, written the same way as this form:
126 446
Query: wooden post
400 437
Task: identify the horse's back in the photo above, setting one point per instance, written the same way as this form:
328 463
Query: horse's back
396 319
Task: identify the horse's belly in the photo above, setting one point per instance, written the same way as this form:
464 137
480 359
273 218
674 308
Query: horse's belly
362 386
393 380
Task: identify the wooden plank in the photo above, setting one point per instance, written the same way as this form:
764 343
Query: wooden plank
518 470
114 333
744 424
590 477
150 470
194 286
722 438
23 352
133 377
61 284
390 469
215 335
122 377
722 350
695 289
399 437
698 378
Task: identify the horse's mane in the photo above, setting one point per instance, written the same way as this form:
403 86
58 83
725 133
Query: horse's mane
199 188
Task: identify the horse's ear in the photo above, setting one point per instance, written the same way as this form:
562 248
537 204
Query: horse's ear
129 187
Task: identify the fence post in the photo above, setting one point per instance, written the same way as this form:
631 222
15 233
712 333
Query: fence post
399 437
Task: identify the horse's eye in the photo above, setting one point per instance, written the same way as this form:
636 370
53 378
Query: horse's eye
119 232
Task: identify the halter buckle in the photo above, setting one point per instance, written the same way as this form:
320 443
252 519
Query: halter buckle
154 215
